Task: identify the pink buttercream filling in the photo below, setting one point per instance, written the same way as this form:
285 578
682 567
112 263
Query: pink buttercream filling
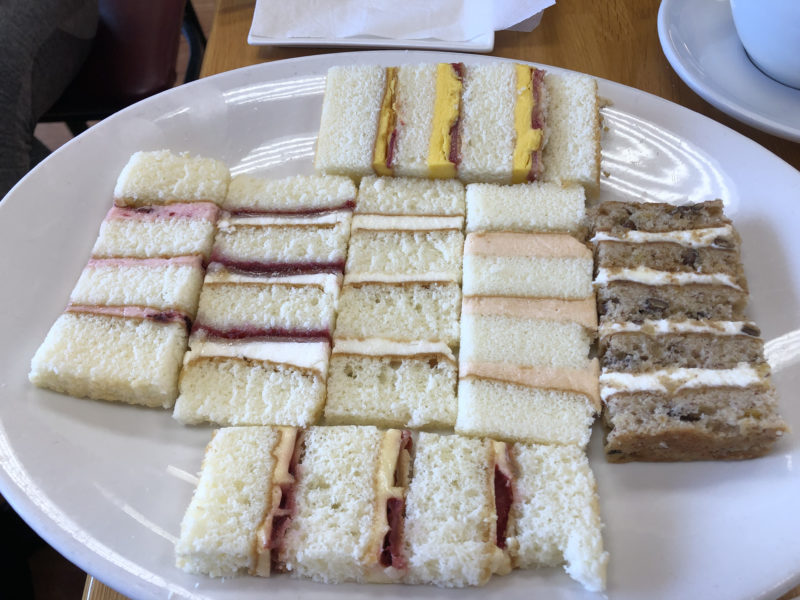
203 211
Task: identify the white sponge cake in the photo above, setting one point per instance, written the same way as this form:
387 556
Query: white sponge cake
408 196
392 384
527 331
406 312
283 244
526 207
133 359
451 517
219 531
157 231
298 194
252 382
527 265
349 124
167 284
163 177
555 514
550 405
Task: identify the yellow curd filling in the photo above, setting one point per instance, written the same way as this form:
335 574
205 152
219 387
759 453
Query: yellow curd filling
529 140
445 114
386 125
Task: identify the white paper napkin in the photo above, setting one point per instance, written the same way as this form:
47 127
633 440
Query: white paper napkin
445 20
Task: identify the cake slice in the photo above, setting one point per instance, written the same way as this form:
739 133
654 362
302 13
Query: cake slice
157 231
163 177
393 248
349 505
526 207
527 332
526 265
119 354
480 123
392 384
252 382
233 523
456 511
406 311
273 245
408 196
165 284
295 195
237 306
549 405
555 517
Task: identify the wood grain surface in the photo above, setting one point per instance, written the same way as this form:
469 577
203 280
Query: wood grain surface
611 39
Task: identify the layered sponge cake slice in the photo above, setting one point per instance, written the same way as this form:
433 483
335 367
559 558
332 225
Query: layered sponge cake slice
684 375
480 123
392 384
295 195
407 196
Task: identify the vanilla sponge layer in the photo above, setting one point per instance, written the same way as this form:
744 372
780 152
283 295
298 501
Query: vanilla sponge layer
237 390
568 278
526 207
155 238
218 530
159 284
450 512
111 358
400 312
296 193
392 391
416 95
523 341
555 514
328 537
508 411
349 122
410 196
268 304
286 241
409 253
163 177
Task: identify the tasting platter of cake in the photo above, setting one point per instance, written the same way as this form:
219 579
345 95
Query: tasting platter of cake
363 344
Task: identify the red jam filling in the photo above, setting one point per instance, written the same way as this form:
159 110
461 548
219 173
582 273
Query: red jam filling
503 497
391 555
265 333
537 121
253 267
455 138
293 212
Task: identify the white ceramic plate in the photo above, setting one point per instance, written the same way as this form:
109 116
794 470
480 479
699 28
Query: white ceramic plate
700 42
107 484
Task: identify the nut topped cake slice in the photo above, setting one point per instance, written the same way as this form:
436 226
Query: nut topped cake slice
684 375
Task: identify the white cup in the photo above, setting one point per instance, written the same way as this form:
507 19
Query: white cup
770 33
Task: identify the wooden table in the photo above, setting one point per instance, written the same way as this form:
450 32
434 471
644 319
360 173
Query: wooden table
612 39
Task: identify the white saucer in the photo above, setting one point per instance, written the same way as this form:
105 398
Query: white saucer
700 42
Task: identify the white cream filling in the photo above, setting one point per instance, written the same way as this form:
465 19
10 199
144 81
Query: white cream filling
329 282
306 355
675 380
664 326
695 238
649 276
335 217
406 223
383 347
